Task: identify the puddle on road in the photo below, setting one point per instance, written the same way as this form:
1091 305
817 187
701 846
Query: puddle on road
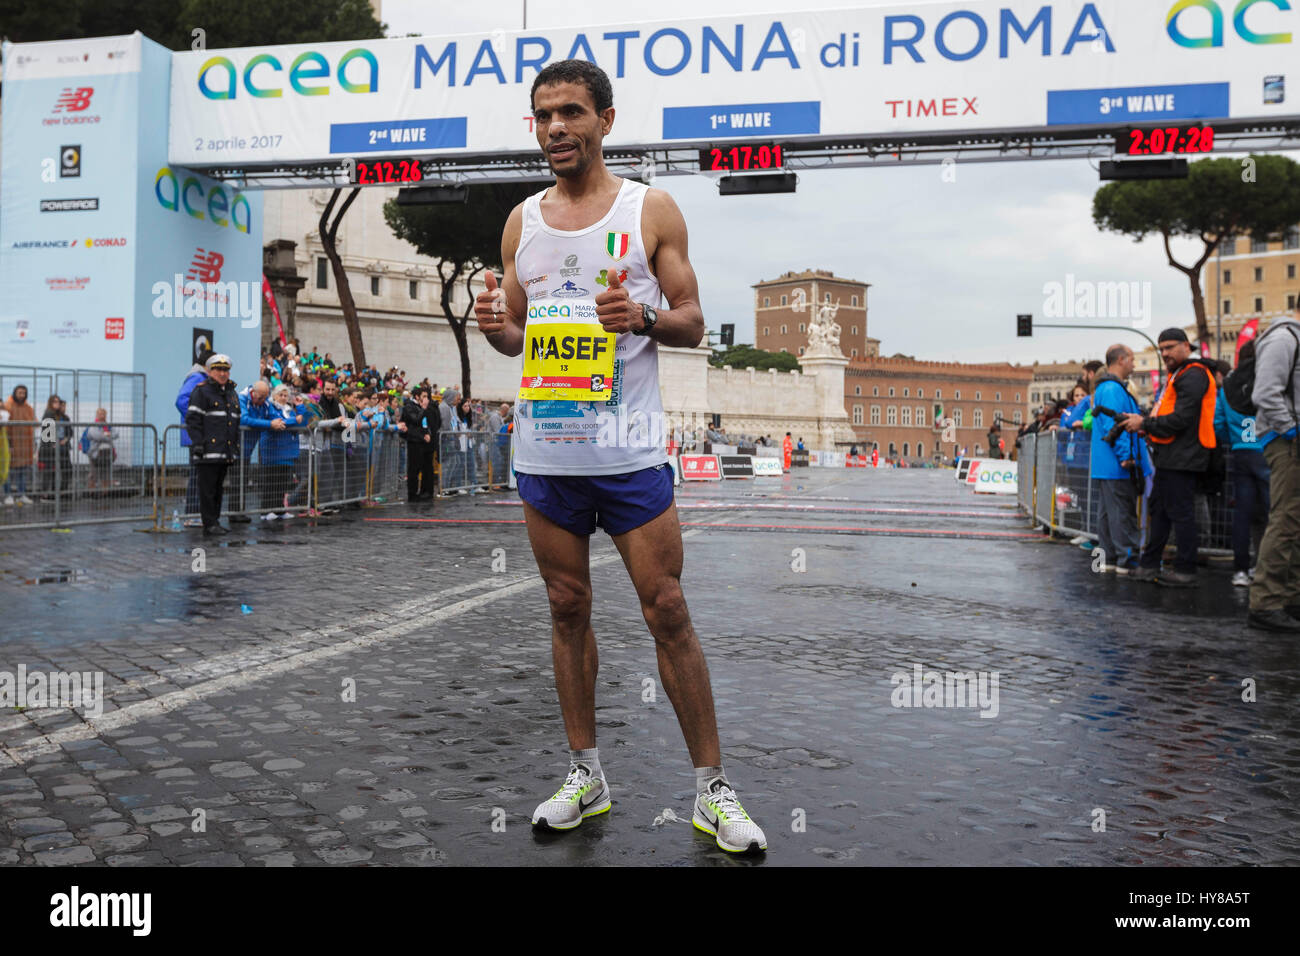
52 576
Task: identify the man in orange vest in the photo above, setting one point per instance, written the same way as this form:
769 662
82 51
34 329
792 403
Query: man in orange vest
1181 433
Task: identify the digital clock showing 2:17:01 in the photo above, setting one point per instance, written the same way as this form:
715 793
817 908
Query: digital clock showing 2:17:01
741 157
1155 140
369 172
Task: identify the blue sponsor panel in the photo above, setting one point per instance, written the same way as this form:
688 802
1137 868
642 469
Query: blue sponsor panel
558 409
743 119
387 136
1137 104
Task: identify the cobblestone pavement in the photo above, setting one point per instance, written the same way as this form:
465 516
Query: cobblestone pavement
1113 696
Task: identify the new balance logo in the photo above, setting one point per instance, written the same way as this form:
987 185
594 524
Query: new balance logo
74 99
206 266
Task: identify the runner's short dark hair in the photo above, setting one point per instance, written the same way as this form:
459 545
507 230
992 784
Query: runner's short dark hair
576 71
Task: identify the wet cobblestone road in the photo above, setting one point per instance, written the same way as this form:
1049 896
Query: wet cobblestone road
1112 695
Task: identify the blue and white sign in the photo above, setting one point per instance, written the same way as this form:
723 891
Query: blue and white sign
804 75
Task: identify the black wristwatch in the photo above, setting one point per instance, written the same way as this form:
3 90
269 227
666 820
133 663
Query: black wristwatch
650 316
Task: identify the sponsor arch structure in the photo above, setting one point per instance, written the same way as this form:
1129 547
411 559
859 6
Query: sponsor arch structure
182 142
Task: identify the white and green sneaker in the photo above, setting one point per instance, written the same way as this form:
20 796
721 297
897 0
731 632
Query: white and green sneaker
718 812
581 796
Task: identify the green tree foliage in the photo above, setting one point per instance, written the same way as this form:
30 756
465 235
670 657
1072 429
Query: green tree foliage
226 23
1257 196
463 239
746 356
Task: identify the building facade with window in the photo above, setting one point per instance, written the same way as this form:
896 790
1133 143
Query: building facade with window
894 404
784 307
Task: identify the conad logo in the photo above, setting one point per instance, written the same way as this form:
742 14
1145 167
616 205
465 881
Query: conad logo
1216 23
222 209
218 76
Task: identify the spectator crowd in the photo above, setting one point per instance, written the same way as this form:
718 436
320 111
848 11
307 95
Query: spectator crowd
1221 437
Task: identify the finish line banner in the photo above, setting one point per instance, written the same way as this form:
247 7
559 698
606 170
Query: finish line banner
802 76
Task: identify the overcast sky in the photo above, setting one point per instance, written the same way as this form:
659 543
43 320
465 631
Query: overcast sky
950 263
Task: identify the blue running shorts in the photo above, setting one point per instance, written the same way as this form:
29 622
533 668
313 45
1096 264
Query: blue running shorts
582 503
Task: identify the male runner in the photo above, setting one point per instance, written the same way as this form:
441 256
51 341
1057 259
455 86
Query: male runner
559 246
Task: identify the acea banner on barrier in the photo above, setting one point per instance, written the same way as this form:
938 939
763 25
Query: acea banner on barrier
996 476
110 258
797 76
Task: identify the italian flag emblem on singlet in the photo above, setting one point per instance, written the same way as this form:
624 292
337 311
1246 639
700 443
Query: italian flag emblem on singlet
616 244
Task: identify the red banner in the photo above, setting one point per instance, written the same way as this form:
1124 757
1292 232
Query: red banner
1247 334
275 309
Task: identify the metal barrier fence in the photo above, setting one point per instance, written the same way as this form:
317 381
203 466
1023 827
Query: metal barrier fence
59 473
470 460
121 394
1058 492
290 471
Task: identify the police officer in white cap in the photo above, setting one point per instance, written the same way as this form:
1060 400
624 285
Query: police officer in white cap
213 425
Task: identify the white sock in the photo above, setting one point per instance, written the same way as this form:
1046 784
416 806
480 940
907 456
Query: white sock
703 776
588 758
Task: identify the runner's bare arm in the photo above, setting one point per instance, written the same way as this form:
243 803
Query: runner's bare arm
682 324
500 309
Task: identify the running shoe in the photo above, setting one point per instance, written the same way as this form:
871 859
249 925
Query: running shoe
1078 539
718 812
581 796
1241 579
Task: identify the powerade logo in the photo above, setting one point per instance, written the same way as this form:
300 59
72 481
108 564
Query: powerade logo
548 312
1175 23
221 209
218 77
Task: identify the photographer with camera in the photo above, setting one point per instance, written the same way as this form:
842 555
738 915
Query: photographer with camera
1181 431
1118 464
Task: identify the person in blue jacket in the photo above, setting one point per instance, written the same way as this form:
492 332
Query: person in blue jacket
1120 466
266 431
1249 471
197 374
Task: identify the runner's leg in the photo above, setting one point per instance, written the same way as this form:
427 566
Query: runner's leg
562 558
653 556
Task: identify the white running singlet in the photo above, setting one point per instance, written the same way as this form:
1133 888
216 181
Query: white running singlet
561 268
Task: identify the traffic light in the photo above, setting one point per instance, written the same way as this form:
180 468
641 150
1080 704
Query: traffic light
1024 326
728 336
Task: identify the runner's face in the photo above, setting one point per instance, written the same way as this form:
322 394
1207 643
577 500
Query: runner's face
569 130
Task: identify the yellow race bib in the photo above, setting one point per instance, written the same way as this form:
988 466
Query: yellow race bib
568 356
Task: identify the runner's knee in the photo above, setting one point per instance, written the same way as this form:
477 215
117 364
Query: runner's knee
665 611
570 601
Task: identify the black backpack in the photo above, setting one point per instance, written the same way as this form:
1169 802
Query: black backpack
1239 385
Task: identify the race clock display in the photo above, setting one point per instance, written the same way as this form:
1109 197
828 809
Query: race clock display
1164 140
742 157
369 172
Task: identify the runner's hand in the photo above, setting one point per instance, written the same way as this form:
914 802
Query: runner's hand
615 308
490 307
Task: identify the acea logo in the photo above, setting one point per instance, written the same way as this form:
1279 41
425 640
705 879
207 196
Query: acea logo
1175 22
187 194
548 312
218 76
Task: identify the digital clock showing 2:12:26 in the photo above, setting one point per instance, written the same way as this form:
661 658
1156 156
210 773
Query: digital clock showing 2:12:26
1155 140
368 172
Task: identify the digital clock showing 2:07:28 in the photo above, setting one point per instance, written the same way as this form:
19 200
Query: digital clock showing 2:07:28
742 157
1155 140
369 172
